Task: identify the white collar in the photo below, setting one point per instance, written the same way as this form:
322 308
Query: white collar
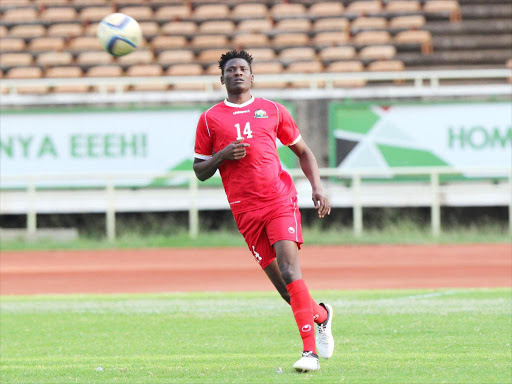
239 105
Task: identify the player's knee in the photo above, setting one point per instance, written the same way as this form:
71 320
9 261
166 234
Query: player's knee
290 274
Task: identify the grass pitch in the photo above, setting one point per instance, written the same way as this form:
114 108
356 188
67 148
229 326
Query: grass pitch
436 336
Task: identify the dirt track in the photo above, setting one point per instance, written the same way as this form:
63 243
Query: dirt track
234 269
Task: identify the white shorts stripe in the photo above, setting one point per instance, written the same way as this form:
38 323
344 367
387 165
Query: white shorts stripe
295 217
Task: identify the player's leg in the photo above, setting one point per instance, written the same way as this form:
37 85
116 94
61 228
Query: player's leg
274 274
300 301
285 233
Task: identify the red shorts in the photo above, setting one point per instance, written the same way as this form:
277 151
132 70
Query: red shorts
262 228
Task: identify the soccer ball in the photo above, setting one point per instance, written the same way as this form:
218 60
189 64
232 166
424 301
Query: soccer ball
119 34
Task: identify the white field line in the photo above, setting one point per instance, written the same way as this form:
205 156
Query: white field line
428 303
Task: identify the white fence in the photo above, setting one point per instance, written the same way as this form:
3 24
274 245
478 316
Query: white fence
361 188
425 83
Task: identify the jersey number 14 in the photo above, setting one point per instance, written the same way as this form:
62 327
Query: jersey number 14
247 131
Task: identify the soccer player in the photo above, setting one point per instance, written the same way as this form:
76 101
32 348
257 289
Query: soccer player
238 137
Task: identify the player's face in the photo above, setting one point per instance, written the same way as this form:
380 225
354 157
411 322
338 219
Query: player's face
237 76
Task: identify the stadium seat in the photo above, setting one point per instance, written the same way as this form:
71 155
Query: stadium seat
179 28
297 54
407 22
450 7
147 70
424 38
85 43
364 7
46 44
25 73
225 27
95 14
91 29
139 13
209 41
369 24
16 59
28 73
324 39
161 42
65 30
250 40
267 68
386 66
326 9
347 66
175 12
372 37
51 3
337 53
304 67
262 54
16 3
293 25
54 58
149 28
12 45
59 14
175 56
331 24
27 31
94 58
284 10
249 11
20 15
137 57
257 25
186 70
105 71
209 56
213 70
211 11
109 71
403 7
67 72
290 40
88 3
270 68
377 52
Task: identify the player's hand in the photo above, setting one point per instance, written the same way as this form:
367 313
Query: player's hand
322 204
235 150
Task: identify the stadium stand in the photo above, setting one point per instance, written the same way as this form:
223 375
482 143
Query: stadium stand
380 35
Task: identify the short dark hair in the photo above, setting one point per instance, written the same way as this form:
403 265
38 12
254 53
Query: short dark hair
234 54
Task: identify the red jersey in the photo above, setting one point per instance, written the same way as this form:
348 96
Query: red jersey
257 180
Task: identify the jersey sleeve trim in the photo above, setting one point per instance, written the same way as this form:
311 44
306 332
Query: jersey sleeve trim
202 157
206 123
294 141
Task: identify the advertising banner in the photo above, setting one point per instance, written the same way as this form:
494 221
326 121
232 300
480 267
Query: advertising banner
70 142
96 142
458 135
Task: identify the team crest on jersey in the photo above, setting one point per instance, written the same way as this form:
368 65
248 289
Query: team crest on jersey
260 114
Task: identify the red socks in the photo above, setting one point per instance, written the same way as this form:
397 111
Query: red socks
302 309
319 312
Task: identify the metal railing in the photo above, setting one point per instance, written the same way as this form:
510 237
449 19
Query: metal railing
355 179
315 80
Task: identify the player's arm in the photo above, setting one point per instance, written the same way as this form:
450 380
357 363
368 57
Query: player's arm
205 169
310 168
